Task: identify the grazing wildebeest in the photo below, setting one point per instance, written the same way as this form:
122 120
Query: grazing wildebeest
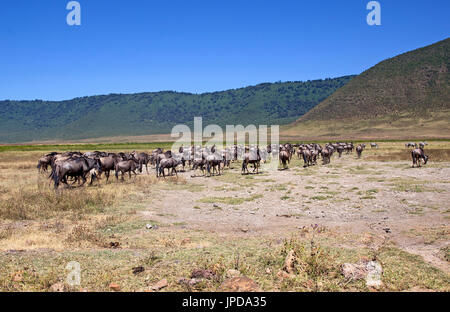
373 145
422 144
410 144
359 150
251 156
417 155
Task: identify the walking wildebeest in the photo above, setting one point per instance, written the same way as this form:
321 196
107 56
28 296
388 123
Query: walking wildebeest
252 156
125 166
77 167
359 150
284 157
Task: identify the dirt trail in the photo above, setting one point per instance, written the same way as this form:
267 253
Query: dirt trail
389 200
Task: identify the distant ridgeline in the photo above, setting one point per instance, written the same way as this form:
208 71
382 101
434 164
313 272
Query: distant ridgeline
157 112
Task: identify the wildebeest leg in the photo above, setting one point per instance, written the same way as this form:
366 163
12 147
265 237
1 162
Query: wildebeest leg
84 180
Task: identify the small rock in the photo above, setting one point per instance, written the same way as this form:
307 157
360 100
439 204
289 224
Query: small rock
139 269
151 226
268 271
241 284
17 276
114 286
161 284
373 278
58 287
245 230
283 274
114 245
187 281
232 273
200 273
185 241
387 230
354 271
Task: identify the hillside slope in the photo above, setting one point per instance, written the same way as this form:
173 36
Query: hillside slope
157 112
409 91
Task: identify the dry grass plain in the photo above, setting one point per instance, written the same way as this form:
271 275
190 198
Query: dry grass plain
376 207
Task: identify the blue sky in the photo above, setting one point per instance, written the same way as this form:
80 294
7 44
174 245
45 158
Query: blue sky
199 46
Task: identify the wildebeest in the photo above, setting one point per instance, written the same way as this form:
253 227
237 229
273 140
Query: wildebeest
326 155
77 167
410 144
125 166
199 162
417 155
359 150
284 157
168 163
213 162
252 156
143 159
45 161
373 145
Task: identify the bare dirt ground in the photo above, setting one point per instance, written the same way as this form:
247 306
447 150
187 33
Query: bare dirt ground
375 207
353 195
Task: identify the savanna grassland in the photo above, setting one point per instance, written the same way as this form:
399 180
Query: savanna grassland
376 207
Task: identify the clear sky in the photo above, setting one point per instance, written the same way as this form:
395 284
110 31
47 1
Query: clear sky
200 46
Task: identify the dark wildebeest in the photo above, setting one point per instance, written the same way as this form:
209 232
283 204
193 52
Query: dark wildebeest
326 155
417 155
284 157
373 145
307 156
213 161
251 157
108 163
410 144
340 149
45 161
422 144
125 166
168 163
77 167
199 162
160 156
143 159
359 150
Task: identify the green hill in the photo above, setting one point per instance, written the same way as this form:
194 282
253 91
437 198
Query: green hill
158 112
409 91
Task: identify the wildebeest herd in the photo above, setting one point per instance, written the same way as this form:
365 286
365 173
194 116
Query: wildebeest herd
79 167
